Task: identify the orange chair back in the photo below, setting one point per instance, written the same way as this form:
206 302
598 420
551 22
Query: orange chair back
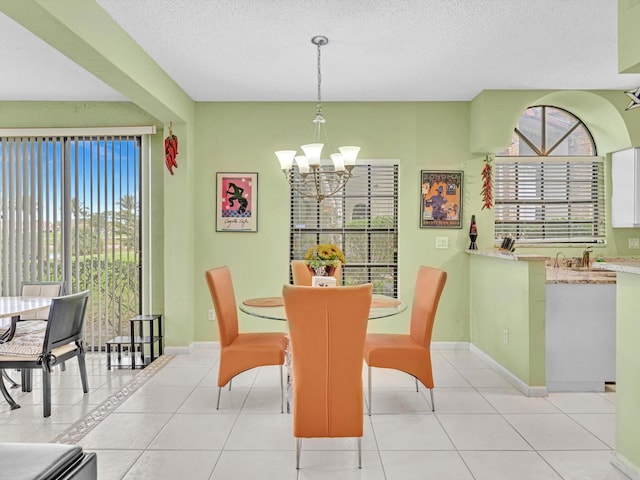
302 274
327 328
429 285
224 302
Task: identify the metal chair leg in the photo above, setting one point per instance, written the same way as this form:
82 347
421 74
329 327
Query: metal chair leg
369 387
433 405
230 384
416 384
281 392
298 448
12 404
359 452
11 380
218 404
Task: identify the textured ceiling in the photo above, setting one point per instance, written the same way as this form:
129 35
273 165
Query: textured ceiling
379 50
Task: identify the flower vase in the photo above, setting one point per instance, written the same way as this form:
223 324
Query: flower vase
320 271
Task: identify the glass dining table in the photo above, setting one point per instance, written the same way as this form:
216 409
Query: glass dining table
272 308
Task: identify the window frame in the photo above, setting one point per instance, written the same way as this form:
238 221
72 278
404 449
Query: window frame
323 234
584 191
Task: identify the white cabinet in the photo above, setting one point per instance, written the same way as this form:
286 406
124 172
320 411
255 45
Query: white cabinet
581 337
625 198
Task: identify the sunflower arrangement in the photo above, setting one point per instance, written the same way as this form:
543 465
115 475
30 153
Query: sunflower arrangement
324 255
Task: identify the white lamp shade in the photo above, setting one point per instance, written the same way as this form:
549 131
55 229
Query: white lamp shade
286 158
313 151
303 164
349 154
338 162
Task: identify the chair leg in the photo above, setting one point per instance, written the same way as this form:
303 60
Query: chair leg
230 384
369 387
416 384
12 404
83 373
218 404
63 367
11 380
25 375
298 448
281 392
433 405
46 390
359 452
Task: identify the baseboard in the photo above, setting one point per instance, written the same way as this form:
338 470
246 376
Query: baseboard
190 348
206 345
625 465
527 390
450 346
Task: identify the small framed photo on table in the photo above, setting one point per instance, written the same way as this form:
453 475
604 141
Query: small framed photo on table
441 199
236 202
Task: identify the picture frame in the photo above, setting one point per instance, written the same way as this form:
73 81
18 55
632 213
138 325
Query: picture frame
236 202
441 198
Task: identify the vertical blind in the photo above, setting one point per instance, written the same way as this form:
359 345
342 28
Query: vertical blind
550 199
362 220
70 211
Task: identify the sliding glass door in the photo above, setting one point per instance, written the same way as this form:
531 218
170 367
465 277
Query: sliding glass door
70 212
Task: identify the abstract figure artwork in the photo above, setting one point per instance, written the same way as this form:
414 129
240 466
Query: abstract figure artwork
236 202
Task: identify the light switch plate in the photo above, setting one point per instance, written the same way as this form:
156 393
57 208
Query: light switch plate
442 242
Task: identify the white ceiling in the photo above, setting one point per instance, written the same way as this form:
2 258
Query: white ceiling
379 50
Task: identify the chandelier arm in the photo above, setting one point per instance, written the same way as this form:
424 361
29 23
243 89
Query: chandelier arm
304 193
342 183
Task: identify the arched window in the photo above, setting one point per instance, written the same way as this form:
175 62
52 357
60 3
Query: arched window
549 183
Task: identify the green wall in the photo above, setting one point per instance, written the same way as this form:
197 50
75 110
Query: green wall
243 137
509 296
628 367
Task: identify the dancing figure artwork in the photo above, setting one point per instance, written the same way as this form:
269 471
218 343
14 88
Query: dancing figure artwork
236 203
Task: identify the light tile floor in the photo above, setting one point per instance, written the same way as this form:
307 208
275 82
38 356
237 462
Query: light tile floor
168 428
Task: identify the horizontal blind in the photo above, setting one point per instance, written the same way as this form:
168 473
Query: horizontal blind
362 220
550 200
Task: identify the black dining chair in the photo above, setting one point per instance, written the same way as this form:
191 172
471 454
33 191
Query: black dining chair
60 341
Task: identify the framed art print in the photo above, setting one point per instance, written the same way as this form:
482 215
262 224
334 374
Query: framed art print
237 202
441 199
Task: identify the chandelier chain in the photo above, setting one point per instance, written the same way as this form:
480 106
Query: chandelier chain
319 78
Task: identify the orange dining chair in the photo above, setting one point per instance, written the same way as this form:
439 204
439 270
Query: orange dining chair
410 353
327 328
302 274
240 351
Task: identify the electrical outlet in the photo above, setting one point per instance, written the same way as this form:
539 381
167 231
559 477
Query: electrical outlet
212 315
634 243
505 336
442 242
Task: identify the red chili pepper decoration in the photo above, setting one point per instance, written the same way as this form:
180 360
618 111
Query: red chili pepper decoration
487 184
171 151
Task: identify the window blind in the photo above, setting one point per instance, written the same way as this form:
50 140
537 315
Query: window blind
70 211
362 220
550 199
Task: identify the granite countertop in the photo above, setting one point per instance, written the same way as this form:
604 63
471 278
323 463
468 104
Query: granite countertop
631 265
602 274
580 275
505 255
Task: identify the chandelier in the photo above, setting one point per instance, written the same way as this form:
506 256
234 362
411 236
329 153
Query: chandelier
311 178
